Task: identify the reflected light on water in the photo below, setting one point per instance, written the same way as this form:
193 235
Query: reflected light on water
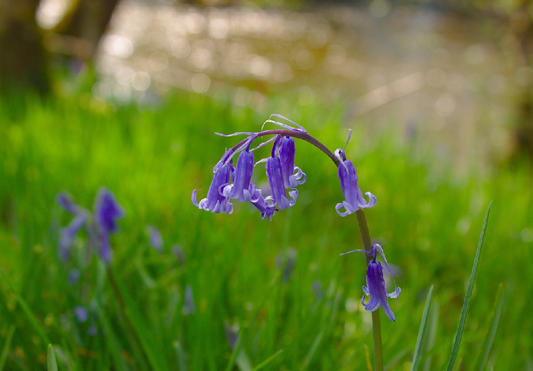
200 83
118 46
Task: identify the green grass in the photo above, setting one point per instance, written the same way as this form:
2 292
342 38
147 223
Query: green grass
427 219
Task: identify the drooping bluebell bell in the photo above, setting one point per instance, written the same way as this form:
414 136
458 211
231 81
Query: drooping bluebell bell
354 197
154 237
287 151
376 284
215 201
242 187
277 184
107 212
69 233
266 208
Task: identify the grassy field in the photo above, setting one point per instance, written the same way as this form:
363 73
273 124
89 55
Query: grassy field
280 285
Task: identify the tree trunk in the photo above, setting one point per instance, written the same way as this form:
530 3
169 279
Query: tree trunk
23 60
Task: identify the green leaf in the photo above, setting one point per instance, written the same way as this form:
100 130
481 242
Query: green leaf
51 359
489 340
27 311
267 361
7 346
422 331
462 321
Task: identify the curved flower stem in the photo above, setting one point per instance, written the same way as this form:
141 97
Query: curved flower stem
295 134
376 322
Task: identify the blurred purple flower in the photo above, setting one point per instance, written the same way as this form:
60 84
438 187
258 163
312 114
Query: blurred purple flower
107 212
81 314
232 335
155 238
287 260
73 276
354 197
178 252
188 305
69 233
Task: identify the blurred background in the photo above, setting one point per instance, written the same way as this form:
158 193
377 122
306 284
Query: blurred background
126 94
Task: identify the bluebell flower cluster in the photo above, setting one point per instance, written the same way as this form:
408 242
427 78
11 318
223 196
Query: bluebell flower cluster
283 176
99 226
235 182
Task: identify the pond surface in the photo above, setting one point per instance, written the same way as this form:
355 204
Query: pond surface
450 78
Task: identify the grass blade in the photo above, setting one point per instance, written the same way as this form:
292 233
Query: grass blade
7 345
267 361
462 321
422 331
496 317
27 311
51 359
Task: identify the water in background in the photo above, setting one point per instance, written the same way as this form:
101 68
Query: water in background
450 78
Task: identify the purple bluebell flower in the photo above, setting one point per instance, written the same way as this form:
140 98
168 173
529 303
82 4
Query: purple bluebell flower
287 151
107 212
242 188
354 197
277 184
376 284
215 201
69 233
267 209
155 238
64 200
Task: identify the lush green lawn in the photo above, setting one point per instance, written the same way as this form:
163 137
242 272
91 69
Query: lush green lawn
427 219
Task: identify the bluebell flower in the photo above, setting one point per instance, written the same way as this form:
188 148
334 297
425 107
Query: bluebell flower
267 209
155 238
277 184
376 284
287 151
69 233
242 187
107 212
354 197
99 228
215 201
